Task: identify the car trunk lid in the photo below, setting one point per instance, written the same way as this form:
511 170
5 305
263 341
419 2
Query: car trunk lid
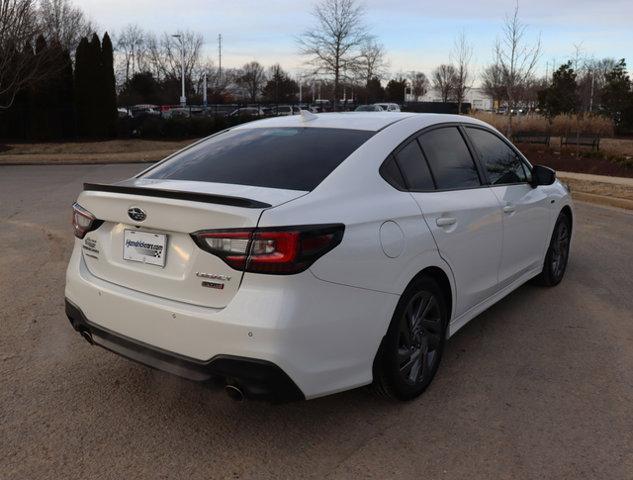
173 209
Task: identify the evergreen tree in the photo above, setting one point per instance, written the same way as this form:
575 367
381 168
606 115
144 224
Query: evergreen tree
41 99
375 92
560 97
280 88
616 98
142 87
52 110
66 95
96 114
89 97
395 90
59 94
108 88
82 88
19 118
40 110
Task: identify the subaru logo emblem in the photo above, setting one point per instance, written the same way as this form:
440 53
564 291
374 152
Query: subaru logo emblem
136 214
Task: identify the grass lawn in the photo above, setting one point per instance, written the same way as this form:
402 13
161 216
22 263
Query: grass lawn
111 151
615 157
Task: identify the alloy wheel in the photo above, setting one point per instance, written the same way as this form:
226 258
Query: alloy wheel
560 250
419 338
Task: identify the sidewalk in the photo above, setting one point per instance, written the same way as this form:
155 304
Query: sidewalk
613 191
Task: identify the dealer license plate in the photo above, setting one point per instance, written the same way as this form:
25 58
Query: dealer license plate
145 247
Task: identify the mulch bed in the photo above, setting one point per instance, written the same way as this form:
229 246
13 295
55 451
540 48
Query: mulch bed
566 161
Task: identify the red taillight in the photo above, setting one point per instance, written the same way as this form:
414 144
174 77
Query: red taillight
271 250
83 221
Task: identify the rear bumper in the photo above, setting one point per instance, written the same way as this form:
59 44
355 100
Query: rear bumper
258 379
322 335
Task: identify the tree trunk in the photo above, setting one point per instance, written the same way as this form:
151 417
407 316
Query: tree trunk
509 129
335 93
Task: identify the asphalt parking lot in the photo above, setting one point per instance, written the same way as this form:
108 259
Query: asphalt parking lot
539 386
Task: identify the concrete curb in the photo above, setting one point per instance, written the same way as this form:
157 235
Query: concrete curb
603 200
603 190
86 159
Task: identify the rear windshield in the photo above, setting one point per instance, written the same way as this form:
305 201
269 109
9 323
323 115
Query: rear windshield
288 158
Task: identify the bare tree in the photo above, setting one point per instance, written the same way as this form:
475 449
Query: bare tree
216 86
492 82
517 58
443 79
64 23
252 78
591 80
461 56
578 57
163 54
18 65
132 46
419 83
333 46
373 62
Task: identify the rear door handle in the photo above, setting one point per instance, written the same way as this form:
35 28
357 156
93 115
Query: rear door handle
445 221
509 209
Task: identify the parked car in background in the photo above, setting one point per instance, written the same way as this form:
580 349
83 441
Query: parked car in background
247 112
299 256
183 112
283 110
145 110
123 112
389 107
322 104
369 108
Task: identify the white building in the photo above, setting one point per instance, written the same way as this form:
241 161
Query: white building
478 99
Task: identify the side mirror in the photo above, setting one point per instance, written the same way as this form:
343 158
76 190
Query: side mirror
542 175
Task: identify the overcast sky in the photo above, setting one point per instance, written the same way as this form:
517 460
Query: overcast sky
418 35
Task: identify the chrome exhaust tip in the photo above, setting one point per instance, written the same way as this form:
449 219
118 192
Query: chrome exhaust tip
234 392
87 335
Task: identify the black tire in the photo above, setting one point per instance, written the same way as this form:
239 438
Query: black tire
410 352
557 253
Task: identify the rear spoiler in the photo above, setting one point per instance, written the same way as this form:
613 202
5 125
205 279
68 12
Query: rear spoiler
177 194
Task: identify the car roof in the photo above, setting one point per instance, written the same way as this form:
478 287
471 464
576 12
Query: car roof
372 121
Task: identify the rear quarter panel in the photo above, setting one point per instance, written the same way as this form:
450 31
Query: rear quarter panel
356 195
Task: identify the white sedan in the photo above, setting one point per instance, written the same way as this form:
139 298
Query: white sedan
299 256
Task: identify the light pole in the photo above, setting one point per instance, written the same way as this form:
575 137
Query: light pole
183 98
593 77
406 87
204 90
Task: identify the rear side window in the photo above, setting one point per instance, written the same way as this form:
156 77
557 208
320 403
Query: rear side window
414 167
449 159
288 158
501 162
390 172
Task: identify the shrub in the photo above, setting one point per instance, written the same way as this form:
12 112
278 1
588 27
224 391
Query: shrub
124 127
177 127
149 127
560 125
202 126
